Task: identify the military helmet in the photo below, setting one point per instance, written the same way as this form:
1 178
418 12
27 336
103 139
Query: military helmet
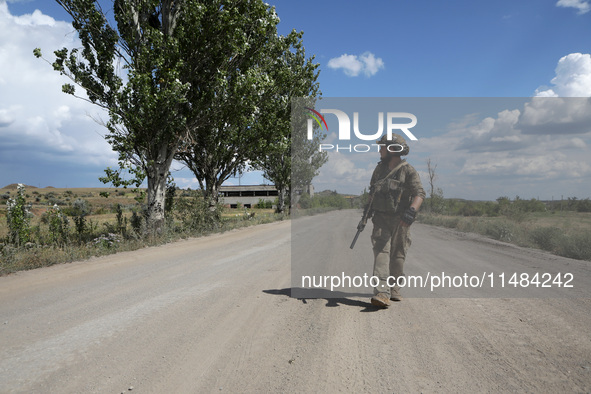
401 150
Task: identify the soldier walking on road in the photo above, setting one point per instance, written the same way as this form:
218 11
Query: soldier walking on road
397 196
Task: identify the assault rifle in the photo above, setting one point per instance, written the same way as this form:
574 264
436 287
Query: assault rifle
366 215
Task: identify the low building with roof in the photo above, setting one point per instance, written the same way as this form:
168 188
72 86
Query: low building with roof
247 196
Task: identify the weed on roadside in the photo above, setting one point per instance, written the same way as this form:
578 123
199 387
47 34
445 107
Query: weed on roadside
563 239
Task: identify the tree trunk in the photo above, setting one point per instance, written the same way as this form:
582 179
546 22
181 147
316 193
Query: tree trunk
212 195
156 199
280 199
157 175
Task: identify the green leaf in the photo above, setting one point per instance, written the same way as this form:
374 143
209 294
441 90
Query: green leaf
68 88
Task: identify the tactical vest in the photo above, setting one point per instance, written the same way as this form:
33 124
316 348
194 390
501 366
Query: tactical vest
388 191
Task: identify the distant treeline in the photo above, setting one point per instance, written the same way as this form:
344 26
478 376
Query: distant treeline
502 206
327 199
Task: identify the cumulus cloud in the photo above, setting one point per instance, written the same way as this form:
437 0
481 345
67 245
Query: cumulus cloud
573 77
352 65
486 148
581 5
568 115
532 147
37 18
528 147
493 133
345 170
185 182
38 122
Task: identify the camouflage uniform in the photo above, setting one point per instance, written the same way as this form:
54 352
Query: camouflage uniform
389 238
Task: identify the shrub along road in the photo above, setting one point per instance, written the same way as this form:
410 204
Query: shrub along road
214 314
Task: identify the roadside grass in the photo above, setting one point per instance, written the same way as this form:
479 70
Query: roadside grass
14 259
565 234
101 233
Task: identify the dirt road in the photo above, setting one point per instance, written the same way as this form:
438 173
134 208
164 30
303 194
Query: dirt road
215 315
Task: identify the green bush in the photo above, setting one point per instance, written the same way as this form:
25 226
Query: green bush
18 218
195 213
584 205
437 220
264 204
305 201
136 222
546 238
500 230
471 208
79 207
58 224
331 200
54 242
576 246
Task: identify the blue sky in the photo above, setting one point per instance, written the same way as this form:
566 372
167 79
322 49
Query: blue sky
402 48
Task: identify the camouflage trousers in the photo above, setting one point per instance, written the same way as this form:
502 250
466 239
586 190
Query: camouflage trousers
390 242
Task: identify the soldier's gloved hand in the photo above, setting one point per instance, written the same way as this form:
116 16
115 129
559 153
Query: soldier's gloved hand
408 217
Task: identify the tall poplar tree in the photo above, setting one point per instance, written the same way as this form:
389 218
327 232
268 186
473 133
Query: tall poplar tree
223 139
295 78
133 70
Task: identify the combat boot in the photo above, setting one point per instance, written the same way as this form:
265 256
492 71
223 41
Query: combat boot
395 294
381 300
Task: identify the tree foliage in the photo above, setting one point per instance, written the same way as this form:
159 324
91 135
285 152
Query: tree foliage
306 158
208 82
295 76
257 71
226 76
133 71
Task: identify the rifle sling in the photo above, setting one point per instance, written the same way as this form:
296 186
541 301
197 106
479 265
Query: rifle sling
392 172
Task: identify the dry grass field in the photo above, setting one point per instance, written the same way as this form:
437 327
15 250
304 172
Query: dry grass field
89 223
42 199
102 209
565 233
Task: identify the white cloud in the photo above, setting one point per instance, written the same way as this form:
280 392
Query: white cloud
523 151
186 182
37 120
577 143
343 170
484 148
492 133
573 78
371 63
581 5
536 147
568 115
349 63
7 116
531 150
37 18
352 65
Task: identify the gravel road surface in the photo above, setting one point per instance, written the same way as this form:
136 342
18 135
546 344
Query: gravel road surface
215 314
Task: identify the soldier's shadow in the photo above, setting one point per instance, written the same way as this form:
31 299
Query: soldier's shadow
333 298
